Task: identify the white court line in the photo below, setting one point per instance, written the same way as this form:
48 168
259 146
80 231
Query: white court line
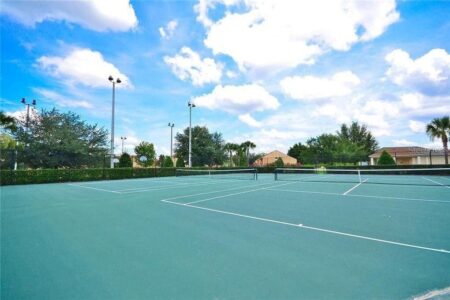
312 228
234 194
436 182
212 192
348 191
356 195
93 188
193 184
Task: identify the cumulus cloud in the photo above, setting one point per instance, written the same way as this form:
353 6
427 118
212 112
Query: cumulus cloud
167 31
98 15
428 74
311 87
61 100
265 35
249 120
412 100
272 139
82 66
404 142
417 126
188 65
238 100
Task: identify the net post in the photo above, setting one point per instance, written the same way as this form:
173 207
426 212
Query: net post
256 174
359 176
276 174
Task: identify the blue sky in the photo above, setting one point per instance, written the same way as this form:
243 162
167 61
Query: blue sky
274 72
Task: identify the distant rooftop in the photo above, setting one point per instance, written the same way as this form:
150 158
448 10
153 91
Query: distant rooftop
407 151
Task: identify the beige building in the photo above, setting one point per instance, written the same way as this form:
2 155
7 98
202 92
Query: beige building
271 158
411 156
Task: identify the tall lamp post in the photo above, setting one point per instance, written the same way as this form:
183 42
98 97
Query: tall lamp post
33 103
171 138
123 138
190 105
114 82
27 125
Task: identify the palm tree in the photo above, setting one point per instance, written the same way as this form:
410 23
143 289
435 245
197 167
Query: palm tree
247 145
7 122
228 148
440 128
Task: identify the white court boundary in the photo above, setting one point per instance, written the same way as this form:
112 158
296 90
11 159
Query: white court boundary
351 189
437 182
234 194
357 195
175 185
302 226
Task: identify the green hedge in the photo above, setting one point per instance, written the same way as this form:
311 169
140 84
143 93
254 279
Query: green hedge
8 177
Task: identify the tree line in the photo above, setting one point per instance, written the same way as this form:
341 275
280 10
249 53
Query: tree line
350 144
54 139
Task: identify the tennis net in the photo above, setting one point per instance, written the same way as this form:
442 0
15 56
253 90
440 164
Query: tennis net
426 176
249 174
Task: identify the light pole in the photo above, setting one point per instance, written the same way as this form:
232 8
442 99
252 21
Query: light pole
171 138
33 103
110 78
123 138
191 105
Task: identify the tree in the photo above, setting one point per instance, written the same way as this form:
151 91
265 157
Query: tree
207 148
160 161
279 163
8 123
247 145
233 148
439 128
359 136
168 163
145 154
254 157
125 161
180 163
54 139
350 144
385 159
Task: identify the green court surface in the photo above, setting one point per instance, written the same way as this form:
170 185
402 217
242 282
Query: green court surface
197 237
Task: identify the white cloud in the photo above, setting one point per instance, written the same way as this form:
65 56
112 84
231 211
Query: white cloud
61 100
403 142
82 66
98 15
249 120
412 100
311 87
429 74
168 31
417 126
270 35
238 99
188 65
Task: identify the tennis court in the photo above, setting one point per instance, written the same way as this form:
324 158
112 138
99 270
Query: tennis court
214 236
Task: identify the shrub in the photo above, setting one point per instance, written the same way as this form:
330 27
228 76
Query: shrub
385 159
168 163
125 161
279 163
180 163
